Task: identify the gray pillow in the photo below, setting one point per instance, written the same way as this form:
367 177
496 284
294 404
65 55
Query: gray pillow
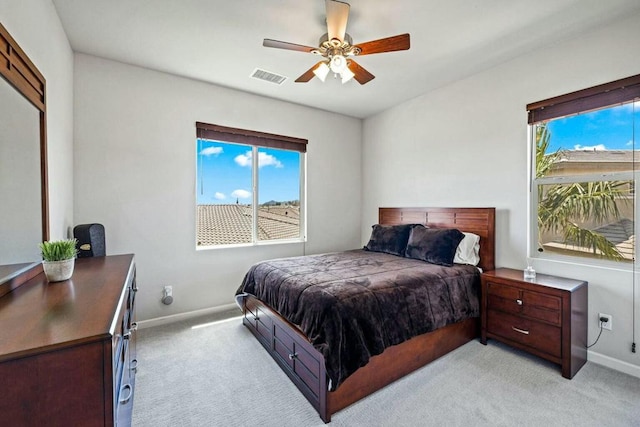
434 245
390 239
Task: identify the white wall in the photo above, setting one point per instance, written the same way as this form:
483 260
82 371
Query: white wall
466 145
135 174
35 25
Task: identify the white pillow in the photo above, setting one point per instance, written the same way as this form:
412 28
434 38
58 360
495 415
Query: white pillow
468 251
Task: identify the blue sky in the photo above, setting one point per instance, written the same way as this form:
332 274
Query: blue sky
224 173
607 129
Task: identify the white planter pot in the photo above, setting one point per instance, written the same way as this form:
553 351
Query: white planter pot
57 271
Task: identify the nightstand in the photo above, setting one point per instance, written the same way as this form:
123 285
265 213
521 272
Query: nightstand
545 316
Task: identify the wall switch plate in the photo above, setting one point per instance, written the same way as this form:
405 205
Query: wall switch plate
606 325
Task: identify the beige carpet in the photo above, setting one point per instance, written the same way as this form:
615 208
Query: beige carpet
219 375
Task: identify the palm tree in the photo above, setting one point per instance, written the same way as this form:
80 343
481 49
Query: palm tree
561 207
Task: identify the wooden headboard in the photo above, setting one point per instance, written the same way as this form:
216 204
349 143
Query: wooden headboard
480 221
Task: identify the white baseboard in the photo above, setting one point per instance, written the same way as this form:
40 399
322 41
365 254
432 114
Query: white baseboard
612 363
164 320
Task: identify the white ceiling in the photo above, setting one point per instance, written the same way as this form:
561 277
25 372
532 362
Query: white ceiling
221 41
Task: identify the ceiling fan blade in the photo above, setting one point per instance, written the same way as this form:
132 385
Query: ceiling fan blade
308 75
361 75
285 45
389 44
337 17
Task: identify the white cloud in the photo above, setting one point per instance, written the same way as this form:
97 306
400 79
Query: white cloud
219 195
264 159
241 194
630 143
211 151
244 159
599 147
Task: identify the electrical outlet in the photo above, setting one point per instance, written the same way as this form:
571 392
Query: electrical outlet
608 325
167 295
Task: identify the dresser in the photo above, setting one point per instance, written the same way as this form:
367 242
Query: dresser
67 349
545 316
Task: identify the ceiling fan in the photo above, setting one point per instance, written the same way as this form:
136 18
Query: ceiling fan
337 49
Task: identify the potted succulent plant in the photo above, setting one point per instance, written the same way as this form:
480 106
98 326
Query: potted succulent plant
58 259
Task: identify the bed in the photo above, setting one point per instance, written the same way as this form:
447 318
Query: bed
333 373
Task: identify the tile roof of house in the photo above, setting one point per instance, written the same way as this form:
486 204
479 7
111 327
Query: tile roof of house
599 156
620 233
231 224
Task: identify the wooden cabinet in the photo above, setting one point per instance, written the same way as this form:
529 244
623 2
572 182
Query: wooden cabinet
546 316
67 349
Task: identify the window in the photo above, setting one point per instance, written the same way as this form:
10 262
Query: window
584 161
241 201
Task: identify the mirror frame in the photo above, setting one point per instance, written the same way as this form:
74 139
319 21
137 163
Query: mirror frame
24 76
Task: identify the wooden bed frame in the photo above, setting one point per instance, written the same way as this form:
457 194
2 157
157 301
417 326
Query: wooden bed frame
304 365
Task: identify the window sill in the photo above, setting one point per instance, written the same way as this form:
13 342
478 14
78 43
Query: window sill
254 244
603 265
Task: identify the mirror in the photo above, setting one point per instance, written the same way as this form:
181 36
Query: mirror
21 207
23 192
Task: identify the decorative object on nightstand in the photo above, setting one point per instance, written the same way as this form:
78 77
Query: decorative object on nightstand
529 272
58 259
545 315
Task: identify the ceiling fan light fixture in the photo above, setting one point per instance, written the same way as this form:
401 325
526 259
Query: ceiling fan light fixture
321 71
336 45
338 64
346 75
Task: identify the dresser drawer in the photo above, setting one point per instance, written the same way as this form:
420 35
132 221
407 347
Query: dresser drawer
538 335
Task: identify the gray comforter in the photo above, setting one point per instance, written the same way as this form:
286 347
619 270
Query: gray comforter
354 304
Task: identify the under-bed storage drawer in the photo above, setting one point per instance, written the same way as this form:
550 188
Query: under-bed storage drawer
303 363
259 320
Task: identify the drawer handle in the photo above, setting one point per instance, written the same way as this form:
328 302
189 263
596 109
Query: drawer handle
519 301
522 331
256 318
134 366
293 356
134 326
129 390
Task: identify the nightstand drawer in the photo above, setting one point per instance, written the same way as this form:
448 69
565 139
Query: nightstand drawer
543 337
512 299
537 299
503 291
543 307
495 302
